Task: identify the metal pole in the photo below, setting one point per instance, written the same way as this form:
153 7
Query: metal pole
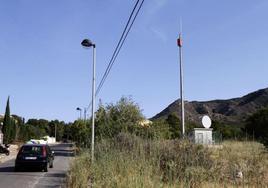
85 114
55 132
80 113
93 104
181 88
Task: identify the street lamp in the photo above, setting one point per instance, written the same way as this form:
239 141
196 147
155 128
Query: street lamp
55 132
179 43
87 44
79 109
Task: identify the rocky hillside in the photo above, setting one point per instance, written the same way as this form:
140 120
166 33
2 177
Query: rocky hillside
232 111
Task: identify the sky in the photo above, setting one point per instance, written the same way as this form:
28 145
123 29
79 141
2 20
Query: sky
47 73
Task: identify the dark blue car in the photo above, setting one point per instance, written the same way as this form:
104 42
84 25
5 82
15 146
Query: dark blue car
34 156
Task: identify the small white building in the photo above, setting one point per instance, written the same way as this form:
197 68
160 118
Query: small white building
44 140
202 136
145 123
49 140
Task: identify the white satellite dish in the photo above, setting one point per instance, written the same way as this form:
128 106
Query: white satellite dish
206 121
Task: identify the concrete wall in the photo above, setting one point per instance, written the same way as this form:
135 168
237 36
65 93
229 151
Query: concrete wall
202 136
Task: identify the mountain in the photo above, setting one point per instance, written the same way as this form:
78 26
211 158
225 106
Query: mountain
231 111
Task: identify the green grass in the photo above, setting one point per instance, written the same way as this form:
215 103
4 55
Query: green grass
129 161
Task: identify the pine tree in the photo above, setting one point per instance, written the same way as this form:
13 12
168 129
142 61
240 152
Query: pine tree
7 124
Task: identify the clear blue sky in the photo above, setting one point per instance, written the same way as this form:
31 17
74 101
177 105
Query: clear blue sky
48 74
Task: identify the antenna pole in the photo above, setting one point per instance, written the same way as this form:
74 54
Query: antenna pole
179 41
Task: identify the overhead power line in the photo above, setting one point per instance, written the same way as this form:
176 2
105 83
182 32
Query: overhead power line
120 43
134 13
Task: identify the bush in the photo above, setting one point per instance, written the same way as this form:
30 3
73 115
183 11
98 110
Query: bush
257 126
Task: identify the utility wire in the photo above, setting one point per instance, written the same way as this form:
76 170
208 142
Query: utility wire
119 45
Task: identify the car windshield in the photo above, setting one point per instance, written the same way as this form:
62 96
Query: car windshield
37 150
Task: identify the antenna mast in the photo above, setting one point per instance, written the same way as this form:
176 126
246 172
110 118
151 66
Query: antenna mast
179 42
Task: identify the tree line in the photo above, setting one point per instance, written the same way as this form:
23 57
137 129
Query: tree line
124 116
15 129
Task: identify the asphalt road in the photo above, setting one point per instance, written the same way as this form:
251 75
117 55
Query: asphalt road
55 177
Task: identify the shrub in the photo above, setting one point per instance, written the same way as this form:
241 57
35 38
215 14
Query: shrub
257 125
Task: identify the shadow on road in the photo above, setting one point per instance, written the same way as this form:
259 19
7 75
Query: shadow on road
63 153
58 175
63 150
12 169
7 169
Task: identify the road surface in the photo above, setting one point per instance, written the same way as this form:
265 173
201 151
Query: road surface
55 177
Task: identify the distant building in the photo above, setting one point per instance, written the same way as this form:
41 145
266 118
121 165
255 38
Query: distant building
145 123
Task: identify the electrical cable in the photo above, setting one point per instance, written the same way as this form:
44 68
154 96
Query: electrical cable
119 45
117 52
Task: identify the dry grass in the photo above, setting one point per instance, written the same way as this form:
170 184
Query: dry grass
80 172
250 158
128 161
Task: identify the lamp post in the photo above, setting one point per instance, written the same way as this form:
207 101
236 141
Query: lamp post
79 109
87 44
55 132
85 114
179 43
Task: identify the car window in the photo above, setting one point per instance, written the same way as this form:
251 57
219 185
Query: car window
37 150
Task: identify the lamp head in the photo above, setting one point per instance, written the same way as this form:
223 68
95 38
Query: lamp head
87 43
